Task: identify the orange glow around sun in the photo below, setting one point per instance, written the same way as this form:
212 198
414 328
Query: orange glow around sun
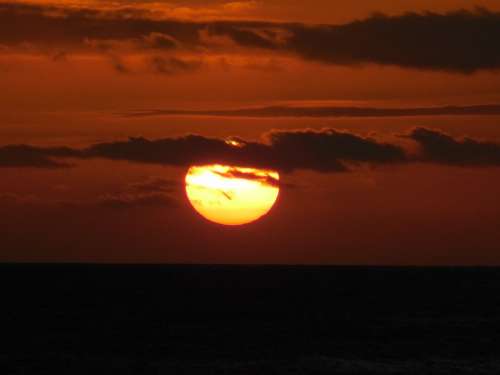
231 195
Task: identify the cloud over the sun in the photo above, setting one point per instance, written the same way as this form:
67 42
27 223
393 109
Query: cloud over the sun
284 150
327 150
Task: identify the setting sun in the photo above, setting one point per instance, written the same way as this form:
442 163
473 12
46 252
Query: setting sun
231 195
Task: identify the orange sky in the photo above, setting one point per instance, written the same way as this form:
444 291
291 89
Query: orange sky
76 90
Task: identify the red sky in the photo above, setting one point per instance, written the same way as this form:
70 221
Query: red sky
80 73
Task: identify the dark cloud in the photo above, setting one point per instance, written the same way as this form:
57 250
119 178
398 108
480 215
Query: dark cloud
291 111
172 65
255 35
460 41
160 41
249 175
182 151
35 157
152 184
72 27
152 191
123 200
327 150
438 147
118 64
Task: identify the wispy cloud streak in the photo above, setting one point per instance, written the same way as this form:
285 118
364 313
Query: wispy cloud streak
295 111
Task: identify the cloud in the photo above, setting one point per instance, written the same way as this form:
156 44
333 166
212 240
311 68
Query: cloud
160 41
250 175
152 184
171 151
35 157
152 191
172 65
118 64
317 112
460 41
287 151
438 147
73 27
254 35
124 200
327 150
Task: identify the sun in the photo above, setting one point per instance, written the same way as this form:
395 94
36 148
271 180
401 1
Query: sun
231 195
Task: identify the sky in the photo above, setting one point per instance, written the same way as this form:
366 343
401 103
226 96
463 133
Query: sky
381 117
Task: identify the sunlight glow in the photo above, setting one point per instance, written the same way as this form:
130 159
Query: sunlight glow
231 195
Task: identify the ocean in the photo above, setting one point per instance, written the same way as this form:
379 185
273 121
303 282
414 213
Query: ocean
187 319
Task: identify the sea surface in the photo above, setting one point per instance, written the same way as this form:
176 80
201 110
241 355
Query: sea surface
164 319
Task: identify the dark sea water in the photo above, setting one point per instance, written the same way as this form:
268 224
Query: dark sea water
89 319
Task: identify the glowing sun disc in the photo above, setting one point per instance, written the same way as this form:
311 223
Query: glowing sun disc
231 195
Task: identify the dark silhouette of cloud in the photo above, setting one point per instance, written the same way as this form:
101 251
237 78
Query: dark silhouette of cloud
292 111
124 200
460 41
249 175
307 149
438 147
74 27
118 64
153 184
327 150
160 41
35 157
255 35
152 191
180 151
173 65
